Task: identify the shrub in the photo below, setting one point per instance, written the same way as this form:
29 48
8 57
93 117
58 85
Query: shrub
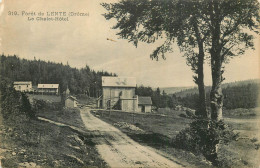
25 106
15 106
38 104
183 115
204 136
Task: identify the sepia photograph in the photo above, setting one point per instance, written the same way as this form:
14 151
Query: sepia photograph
130 83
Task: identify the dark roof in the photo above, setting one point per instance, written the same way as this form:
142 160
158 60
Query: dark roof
144 100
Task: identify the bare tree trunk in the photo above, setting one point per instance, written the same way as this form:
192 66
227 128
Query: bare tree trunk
216 100
202 110
216 96
202 95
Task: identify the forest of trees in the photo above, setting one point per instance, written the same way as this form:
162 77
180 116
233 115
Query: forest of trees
236 96
79 81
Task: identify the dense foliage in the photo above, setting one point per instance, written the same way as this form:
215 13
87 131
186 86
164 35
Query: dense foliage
202 136
15 106
82 80
159 100
244 96
236 96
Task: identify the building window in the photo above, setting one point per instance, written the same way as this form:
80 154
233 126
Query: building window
108 104
143 108
116 93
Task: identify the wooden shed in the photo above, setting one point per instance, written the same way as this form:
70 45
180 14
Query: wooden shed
144 104
71 102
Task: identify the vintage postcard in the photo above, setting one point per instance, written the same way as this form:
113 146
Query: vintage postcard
129 83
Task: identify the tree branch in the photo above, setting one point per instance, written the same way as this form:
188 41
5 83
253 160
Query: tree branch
228 32
226 52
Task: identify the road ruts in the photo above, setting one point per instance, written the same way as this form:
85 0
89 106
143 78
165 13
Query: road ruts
118 150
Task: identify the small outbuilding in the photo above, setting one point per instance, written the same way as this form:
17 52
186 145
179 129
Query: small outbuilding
144 104
71 102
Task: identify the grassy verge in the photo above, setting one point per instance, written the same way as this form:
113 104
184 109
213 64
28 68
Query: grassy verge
241 113
70 116
43 144
47 98
159 130
35 143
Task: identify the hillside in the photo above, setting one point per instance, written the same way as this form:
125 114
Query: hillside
194 90
172 90
242 94
28 140
79 81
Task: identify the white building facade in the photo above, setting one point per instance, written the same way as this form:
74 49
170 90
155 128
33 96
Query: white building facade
119 93
48 88
23 86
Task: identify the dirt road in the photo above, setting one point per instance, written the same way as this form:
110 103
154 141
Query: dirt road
118 150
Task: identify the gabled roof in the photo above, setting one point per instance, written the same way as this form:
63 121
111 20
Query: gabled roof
48 86
72 97
118 81
22 83
144 100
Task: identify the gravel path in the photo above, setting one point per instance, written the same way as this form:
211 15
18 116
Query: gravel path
118 150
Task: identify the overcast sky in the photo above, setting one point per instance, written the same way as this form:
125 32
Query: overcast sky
83 40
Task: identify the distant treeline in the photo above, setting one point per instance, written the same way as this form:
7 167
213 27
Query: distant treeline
79 81
241 95
236 95
184 92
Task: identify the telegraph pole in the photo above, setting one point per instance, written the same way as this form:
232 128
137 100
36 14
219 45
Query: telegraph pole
110 104
133 110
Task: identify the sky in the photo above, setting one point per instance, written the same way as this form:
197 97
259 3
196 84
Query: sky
83 41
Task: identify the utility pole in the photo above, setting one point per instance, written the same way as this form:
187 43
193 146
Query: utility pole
133 110
110 104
